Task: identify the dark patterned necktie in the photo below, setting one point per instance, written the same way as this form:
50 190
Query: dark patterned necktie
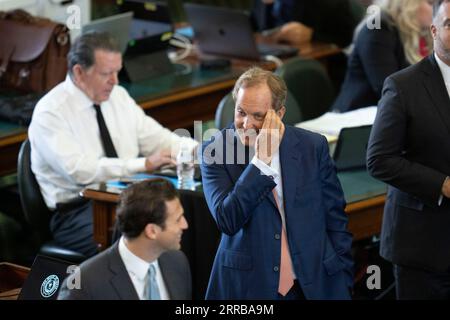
108 145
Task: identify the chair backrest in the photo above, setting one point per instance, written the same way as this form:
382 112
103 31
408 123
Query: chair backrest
225 111
309 84
357 9
36 212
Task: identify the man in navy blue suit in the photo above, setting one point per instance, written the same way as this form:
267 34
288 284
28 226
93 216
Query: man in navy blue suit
274 194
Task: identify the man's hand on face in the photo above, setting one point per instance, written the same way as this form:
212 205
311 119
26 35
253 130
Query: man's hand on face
159 159
269 137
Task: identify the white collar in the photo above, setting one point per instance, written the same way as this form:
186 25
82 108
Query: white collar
133 263
445 69
80 99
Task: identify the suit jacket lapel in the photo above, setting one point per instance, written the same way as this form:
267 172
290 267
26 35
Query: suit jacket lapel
435 85
238 154
170 281
120 279
289 161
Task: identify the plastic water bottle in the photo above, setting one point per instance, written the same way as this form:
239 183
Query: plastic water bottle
185 168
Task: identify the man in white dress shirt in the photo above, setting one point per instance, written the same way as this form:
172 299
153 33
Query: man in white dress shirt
150 217
86 130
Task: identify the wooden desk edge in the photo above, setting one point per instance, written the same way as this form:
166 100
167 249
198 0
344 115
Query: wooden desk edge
352 207
13 139
184 94
100 195
367 203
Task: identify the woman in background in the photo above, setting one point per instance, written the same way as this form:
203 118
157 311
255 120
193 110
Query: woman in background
402 39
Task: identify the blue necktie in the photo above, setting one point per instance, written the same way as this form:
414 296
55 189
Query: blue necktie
152 286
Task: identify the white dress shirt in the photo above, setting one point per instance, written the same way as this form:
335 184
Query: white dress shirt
445 70
273 170
137 269
66 149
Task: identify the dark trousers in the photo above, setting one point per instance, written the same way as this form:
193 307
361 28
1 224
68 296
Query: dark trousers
296 293
72 227
419 284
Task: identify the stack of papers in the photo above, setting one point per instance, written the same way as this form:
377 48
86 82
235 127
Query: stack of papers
330 124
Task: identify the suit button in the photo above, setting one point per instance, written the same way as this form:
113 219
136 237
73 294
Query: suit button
276 268
277 236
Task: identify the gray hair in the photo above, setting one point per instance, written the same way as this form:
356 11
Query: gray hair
82 51
256 76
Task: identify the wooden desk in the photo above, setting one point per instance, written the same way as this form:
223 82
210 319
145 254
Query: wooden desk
364 216
365 197
12 278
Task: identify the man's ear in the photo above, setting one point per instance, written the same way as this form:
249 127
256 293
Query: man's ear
151 231
281 112
77 72
433 31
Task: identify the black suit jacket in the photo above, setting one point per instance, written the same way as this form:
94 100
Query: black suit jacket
409 148
332 20
104 277
377 54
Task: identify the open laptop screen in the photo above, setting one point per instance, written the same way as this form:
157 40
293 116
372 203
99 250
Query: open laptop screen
229 32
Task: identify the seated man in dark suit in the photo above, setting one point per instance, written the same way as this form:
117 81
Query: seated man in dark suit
301 21
146 262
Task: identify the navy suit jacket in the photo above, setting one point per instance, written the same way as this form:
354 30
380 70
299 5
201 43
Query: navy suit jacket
105 277
241 201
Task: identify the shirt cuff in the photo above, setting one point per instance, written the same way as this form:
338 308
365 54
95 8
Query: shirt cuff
134 166
264 168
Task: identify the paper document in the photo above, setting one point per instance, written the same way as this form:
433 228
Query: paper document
330 124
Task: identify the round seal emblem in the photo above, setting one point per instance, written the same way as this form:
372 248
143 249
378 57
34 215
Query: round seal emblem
49 286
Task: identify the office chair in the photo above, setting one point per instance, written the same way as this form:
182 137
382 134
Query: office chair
309 84
37 215
225 111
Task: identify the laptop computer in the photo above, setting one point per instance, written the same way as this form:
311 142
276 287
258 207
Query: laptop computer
351 148
117 25
228 32
45 279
